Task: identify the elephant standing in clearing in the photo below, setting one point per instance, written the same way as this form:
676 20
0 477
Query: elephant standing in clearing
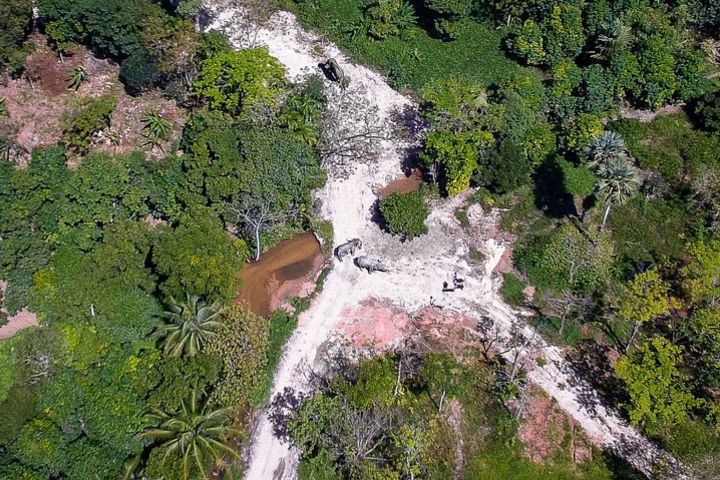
332 68
370 264
348 248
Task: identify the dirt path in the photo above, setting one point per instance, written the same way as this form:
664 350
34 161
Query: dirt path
417 267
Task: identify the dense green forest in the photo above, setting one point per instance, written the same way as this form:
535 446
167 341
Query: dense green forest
145 368
141 345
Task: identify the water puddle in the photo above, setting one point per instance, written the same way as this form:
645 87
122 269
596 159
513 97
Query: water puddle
284 271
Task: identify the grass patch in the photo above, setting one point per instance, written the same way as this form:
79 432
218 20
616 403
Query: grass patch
668 145
282 325
554 332
477 255
414 58
462 217
512 290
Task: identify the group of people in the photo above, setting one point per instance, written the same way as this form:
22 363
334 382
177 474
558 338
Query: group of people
457 282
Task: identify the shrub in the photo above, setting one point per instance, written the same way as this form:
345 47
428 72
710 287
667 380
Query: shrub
512 290
447 14
581 130
566 259
597 90
389 17
508 167
706 111
138 72
87 118
15 23
405 214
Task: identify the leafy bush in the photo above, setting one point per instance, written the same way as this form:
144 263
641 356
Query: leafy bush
706 111
86 119
448 14
577 180
139 72
113 28
405 214
508 168
389 17
237 80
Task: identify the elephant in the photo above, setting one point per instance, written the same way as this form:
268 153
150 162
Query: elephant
370 264
348 248
332 70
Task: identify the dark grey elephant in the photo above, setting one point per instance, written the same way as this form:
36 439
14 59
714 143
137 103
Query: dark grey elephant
370 264
348 248
332 70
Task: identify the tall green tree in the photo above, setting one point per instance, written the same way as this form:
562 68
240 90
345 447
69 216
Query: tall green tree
189 325
199 257
195 435
659 394
618 182
238 80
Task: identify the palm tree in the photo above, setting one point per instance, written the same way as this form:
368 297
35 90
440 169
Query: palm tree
191 325
604 147
615 38
195 434
155 128
77 77
618 182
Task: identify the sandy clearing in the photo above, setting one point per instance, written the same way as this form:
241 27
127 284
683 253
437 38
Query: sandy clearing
417 267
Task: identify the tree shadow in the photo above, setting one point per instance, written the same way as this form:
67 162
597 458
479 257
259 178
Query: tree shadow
550 194
377 217
590 360
282 408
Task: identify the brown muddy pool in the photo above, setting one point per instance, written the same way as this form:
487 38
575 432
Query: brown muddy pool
281 272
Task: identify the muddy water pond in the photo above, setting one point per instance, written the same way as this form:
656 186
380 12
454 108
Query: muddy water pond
285 271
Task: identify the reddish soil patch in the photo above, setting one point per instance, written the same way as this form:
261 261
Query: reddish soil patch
375 324
545 430
288 270
505 265
36 108
45 68
378 325
443 325
402 184
20 321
